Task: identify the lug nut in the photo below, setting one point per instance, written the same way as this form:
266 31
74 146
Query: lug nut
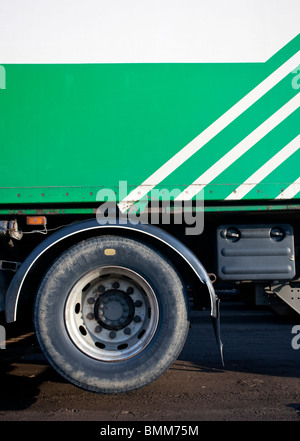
98 329
90 316
138 303
91 301
137 318
129 290
127 331
101 288
115 285
112 334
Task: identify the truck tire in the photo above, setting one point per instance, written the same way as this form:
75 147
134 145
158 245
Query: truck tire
111 314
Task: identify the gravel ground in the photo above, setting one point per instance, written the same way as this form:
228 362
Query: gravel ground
260 380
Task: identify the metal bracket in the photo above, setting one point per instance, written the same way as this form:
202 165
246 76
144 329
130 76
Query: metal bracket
7 265
289 292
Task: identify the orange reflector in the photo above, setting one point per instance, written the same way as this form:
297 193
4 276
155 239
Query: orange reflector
36 220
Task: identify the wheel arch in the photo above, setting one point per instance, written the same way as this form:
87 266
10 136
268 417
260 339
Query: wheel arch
53 245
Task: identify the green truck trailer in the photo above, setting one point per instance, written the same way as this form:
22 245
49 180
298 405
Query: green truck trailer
145 173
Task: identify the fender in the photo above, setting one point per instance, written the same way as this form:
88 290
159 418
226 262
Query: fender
17 282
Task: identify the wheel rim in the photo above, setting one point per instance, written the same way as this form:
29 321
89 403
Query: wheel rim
111 313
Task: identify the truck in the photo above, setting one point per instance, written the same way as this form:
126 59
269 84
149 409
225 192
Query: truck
149 158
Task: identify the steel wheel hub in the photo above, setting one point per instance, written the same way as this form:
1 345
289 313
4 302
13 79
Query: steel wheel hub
114 309
111 313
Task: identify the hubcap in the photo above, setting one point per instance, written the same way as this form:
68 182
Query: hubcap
111 313
114 309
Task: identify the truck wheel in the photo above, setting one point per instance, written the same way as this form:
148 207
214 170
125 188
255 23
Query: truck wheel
111 314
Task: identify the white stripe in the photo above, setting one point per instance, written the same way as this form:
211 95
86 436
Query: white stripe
290 191
210 132
240 149
265 170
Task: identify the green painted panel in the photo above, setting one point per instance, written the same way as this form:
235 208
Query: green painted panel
67 131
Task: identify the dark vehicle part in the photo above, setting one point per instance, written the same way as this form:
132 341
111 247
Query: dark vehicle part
148 231
111 314
289 292
255 252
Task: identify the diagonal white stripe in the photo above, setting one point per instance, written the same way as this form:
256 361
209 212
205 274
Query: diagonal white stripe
265 170
241 148
210 132
290 191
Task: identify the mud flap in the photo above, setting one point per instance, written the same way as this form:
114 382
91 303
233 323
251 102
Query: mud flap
217 328
214 312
